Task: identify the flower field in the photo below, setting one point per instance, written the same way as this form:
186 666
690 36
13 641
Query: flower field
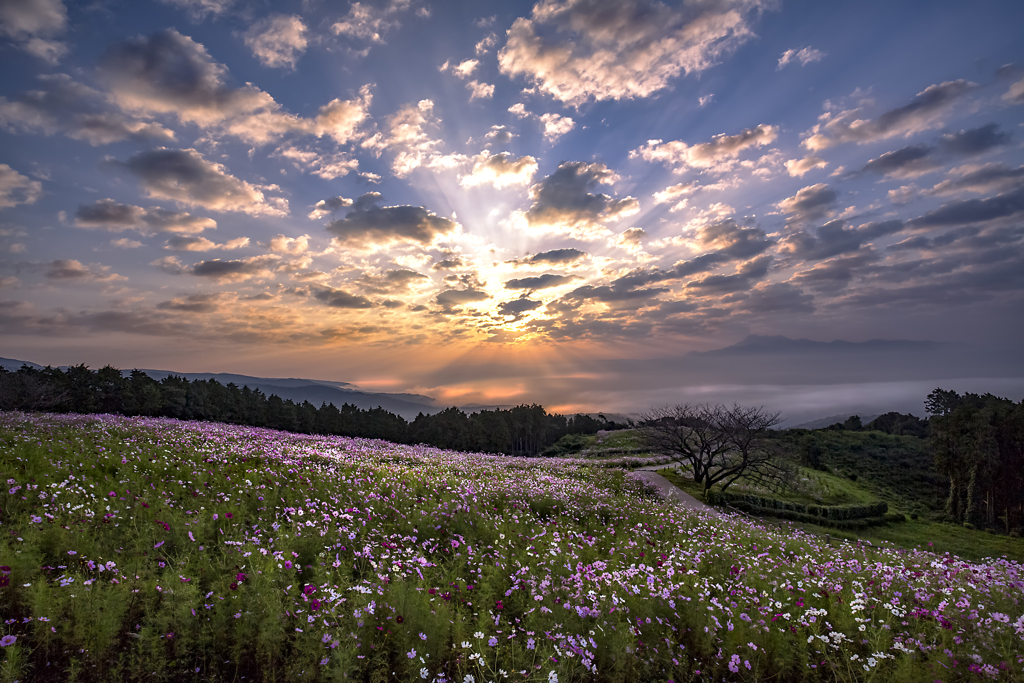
151 549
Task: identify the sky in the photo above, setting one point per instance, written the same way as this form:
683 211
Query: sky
505 202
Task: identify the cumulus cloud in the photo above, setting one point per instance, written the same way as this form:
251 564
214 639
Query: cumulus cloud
810 202
545 281
277 40
916 160
974 141
1015 94
338 298
198 243
17 189
728 238
371 22
677 195
326 207
326 166
396 281
294 246
184 176
798 167
498 135
193 303
907 162
106 214
236 270
32 24
480 91
747 274
70 269
994 177
200 9
500 170
63 105
715 155
169 73
519 306
557 256
926 111
973 210
410 134
453 298
621 49
804 55
368 225
563 201
835 238
556 125
832 276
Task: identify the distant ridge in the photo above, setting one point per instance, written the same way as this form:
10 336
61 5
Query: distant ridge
295 389
831 420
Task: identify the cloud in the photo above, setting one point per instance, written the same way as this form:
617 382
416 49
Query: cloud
368 225
184 176
196 243
904 194
125 243
70 269
453 298
1015 94
82 113
556 125
810 202
776 298
557 256
235 270
632 237
408 133
804 55
746 275
194 303
714 155
916 160
499 135
562 201
926 111
480 91
994 177
17 189
832 276
294 246
907 162
620 49
106 214
677 195
327 166
168 73
486 44
326 207
448 264
798 167
973 211
834 238
337 298
545 281
517 307
32 24
277 40
728 238
200 9
392 281
500 170
371 22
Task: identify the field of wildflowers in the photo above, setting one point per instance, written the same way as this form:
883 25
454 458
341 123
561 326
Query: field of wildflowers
157 550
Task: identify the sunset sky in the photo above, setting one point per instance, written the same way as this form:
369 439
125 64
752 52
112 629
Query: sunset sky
500 202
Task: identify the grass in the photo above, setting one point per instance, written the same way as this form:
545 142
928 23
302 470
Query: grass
911 534
157 550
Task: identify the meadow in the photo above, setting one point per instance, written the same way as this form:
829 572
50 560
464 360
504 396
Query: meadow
152 549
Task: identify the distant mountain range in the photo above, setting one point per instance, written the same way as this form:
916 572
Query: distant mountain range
756 344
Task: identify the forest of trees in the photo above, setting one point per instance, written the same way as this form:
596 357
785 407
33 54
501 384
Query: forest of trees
523 430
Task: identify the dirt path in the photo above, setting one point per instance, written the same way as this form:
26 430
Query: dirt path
673 492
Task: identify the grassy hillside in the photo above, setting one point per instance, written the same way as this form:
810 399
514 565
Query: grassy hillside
157 550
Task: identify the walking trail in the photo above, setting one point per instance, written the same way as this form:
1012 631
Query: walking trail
671 491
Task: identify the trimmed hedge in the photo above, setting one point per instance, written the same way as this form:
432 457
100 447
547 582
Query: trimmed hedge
836 516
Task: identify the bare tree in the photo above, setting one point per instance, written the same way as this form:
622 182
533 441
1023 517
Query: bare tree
719 444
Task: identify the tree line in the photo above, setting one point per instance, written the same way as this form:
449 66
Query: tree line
523 430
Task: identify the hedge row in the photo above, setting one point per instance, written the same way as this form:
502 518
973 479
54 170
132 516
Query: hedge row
819 514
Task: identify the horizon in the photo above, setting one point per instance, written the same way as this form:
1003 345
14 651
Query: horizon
473 202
